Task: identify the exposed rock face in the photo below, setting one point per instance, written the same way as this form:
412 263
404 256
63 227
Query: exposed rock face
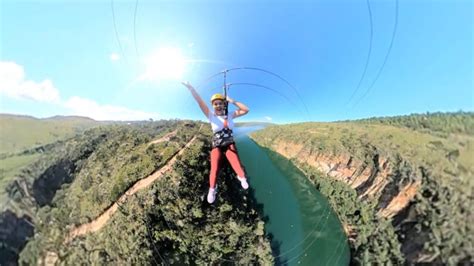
45 187
14 233
369 181
377 179
401 201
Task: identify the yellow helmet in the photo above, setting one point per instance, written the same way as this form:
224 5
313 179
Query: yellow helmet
217 96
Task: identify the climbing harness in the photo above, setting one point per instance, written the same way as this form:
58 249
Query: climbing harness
223 138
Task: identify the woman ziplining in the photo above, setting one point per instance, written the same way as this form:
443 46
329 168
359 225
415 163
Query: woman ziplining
222 141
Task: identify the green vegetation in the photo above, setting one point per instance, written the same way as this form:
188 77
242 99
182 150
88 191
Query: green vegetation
440 124
436 226
10 167
124 157
108 153
74 181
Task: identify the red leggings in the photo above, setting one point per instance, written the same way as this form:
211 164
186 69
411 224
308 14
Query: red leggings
216 162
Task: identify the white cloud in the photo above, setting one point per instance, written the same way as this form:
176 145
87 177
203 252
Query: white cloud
85 107
114 56
14 84
268 118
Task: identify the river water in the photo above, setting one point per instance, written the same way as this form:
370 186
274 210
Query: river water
303 227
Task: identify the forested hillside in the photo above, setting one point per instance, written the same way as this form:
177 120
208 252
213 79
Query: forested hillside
402 186
440 124
74 181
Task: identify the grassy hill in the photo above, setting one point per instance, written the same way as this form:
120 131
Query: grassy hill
403 186
18 133
24 138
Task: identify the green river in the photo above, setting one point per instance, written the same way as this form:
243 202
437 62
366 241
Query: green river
304 228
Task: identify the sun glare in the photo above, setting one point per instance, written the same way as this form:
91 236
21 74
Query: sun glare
164 63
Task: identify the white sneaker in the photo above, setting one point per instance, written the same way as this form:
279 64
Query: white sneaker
243 182
211 195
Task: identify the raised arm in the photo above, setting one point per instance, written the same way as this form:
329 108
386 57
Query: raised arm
243 109
198 98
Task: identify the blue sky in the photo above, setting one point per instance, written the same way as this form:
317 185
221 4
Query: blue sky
73 58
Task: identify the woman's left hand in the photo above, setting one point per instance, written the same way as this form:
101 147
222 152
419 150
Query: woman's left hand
230 100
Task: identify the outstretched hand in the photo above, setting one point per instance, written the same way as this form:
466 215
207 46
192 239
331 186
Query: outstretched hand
187 85
198 98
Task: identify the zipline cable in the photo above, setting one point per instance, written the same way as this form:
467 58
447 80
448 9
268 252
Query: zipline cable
386 56
368 54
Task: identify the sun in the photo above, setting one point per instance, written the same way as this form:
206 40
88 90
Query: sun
164 63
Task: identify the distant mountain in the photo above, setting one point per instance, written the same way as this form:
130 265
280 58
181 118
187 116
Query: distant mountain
402 186
69 118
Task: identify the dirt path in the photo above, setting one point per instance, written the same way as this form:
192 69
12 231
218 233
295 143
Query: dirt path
166 137
102 219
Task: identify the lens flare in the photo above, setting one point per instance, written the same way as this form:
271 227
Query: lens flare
165 63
